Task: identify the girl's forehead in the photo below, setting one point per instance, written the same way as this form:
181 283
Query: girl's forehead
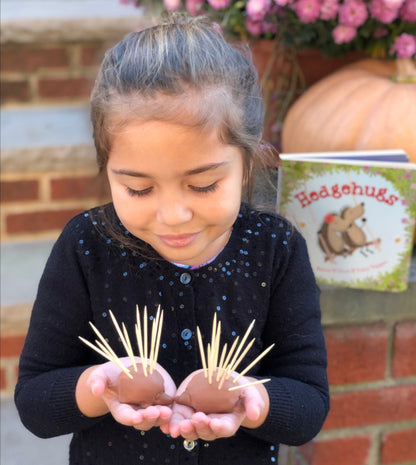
155 147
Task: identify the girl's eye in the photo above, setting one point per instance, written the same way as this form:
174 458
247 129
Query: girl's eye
138 193
211 188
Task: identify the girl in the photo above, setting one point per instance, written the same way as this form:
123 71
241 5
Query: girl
177 115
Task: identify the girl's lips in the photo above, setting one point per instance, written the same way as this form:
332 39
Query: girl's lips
177 240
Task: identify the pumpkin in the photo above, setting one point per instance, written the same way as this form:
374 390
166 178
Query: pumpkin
359 107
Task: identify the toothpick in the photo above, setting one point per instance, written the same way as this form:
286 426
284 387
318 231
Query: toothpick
139 339
159 335
104 341
201 351
220 365
209 363
242 342
122 338
145 334
107 356
253 363
232 368
128 346
259 381
152 344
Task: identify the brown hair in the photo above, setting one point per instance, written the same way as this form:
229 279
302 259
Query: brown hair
181 70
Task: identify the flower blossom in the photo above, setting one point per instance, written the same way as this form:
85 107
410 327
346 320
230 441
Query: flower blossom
195 7
257 9
219 4
353 13
379 10
394 3
308 10
255 28
404 45
408 11
172 5
343 34
329 9
282 2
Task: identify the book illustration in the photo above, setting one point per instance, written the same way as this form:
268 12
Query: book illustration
357 217
341 235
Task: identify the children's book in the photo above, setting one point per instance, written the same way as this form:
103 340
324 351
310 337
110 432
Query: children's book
356 211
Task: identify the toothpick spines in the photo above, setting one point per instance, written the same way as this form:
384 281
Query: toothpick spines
228 363
147 361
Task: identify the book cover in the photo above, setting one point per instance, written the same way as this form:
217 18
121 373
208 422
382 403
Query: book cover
356 211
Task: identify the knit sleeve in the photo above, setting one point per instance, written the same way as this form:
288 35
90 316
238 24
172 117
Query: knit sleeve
298 390
53 358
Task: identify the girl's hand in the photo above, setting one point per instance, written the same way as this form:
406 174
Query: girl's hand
100 380
250 411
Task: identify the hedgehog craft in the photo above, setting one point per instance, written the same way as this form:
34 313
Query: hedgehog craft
213 389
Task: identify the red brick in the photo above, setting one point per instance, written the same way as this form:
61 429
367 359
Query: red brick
15 91
404 352
74 188
357 354
372 407
91 54
3 379
27 59
339 451
11 346
64 88
20 223
12 191
399 446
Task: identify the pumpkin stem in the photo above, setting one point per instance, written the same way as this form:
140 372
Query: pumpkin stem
406 70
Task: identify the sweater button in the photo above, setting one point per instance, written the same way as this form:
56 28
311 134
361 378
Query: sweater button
185 278
189 444
186 334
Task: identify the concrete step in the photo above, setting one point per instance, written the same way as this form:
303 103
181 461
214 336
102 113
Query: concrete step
46 138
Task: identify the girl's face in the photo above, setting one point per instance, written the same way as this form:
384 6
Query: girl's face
177 188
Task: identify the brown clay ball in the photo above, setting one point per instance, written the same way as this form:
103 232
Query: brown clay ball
141 391
207 398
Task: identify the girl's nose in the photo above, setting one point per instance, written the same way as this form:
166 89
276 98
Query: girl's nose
173 210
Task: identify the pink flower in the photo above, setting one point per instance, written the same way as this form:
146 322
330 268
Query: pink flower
353 13
404 46
254 28
282 2
308 10
219 4
172 5
379 10
408 11
329 9
195 7
257 9
343 34
394 3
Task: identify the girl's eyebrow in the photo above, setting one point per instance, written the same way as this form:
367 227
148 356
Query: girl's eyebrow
198 170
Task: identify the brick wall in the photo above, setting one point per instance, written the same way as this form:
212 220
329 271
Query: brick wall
371 337
46 73
38 204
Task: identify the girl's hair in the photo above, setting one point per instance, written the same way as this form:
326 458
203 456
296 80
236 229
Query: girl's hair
181 70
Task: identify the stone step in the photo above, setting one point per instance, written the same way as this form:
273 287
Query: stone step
46 138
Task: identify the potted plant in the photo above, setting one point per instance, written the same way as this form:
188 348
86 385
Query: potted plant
385 30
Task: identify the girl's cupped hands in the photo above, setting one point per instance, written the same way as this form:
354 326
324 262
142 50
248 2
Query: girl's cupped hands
108 381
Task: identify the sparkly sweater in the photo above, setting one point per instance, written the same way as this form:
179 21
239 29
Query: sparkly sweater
263 273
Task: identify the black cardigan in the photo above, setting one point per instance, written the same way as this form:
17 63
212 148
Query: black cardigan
263 273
